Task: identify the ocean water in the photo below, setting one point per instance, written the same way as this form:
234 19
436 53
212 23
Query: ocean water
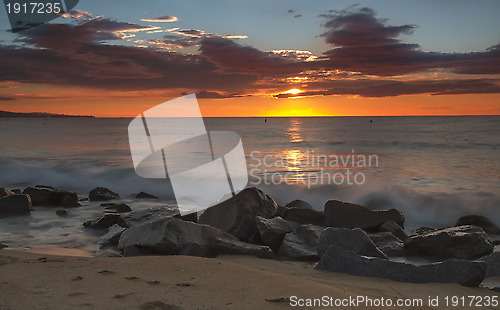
434 169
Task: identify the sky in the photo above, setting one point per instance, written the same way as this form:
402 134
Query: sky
258 58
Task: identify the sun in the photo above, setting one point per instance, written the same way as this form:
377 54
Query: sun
293 91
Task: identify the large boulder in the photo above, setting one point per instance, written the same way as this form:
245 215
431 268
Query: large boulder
305 216
389 244
299 204
112 237
15 204
395 229
102 194
237 214
5 192
493 262
301 243
116 207
273 230
143 195
467 273
467 242
477 220
355 240
133 218
175 236
48 195
69 202
349 215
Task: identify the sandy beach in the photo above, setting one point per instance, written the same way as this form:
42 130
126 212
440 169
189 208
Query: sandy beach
41 281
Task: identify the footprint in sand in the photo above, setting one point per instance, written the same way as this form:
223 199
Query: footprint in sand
158 305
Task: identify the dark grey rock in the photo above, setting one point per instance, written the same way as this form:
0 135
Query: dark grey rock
69 202
463 272
467 242
48 195
355 240
389 244
103 220
477 220
193 249
237 214
424 230
173 235
15 204
5 192
112 237
493 262
349 215
273 230
102 194
301 243
137 217
395 229
299 204
117 207
133 250
145 195
61 213
306 216
3 246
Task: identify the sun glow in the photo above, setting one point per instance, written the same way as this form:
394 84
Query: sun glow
293 91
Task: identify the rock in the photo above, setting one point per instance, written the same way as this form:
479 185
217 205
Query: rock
103 220
102 194
15 204
136 251
48 195
17 191
423 230
306 216
395 229
301 243
467 242
299 204
69 202
173 236
273 230
355 240
493 263
467 273
117 207
389 244
348 215
145 195
3 246
137 217
5 192
61 213
477 220
112 237
237 214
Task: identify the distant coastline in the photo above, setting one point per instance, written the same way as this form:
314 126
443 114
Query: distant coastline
7 114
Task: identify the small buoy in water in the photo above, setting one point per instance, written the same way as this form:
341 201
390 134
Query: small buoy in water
265 120
371 121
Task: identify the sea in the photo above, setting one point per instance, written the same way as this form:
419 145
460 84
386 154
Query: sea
434 169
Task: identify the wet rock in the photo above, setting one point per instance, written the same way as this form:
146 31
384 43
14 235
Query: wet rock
299 204
395 229
102 194
117 207
273 230
424 230
15 204
137 217
389 244
355 240
103 220
69 202
349 215
477 220
467 242
48 195
467 273
173 235
301 243
237 214
306 216
145 195
5 192
112 237
493 263
61 212
192 249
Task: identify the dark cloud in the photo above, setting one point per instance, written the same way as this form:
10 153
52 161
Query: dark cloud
363 43
298 15
384 88
291 11
203 94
